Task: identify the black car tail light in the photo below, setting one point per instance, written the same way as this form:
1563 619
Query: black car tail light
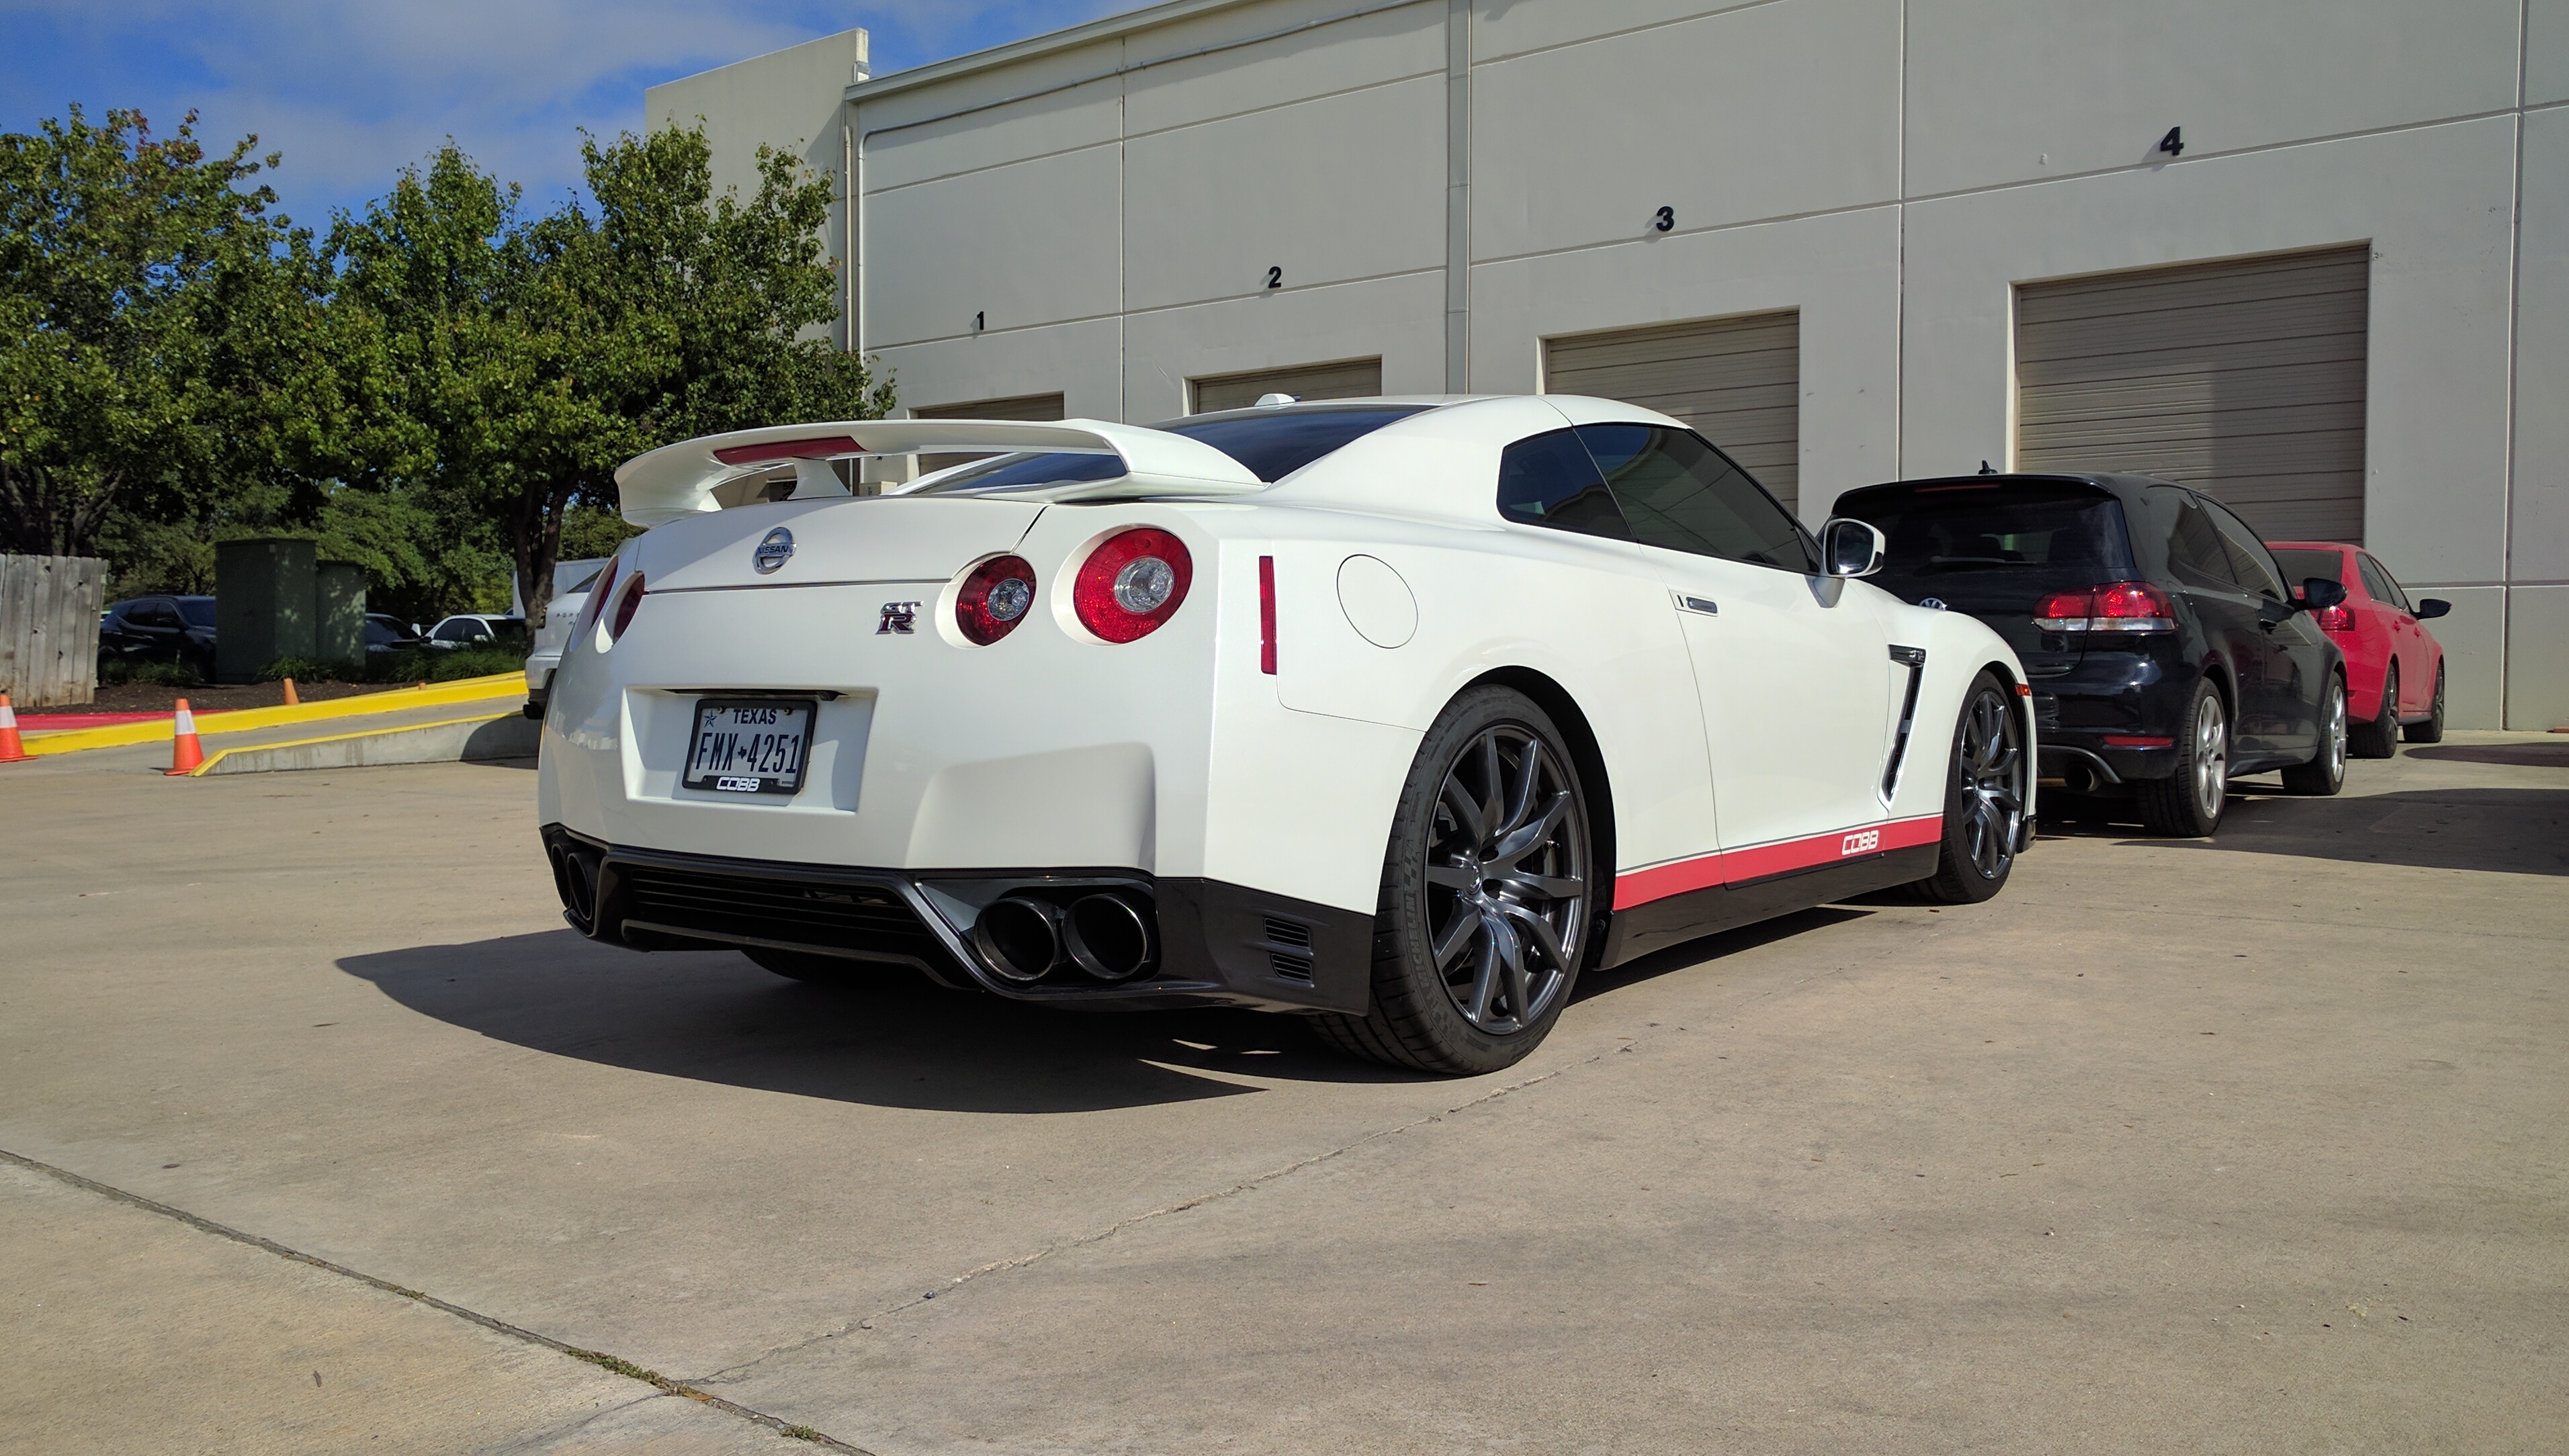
2117 606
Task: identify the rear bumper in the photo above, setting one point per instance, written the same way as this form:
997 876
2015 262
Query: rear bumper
1218 943
2084 717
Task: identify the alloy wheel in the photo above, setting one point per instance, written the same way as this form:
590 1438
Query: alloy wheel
2211 758
1989 758
2337 732
1507 879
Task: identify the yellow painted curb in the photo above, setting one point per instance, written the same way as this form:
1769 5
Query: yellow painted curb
202 769
436 695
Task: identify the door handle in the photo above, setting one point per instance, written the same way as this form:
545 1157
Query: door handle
1695 603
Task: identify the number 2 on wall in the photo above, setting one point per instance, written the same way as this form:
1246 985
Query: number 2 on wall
1275 277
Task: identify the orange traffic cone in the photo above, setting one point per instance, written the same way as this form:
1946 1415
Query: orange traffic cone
185 754
11 750
291 700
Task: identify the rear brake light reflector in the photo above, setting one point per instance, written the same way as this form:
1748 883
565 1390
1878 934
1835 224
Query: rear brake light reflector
2138 740
1267 615
1132 582
2333 619
2118 606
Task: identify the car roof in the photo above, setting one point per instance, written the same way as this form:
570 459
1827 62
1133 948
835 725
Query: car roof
2116 481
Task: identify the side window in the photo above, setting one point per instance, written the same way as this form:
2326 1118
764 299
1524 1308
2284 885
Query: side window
455 631
1681 494
1548 480
2379 582
2249 560
154 614
2194 547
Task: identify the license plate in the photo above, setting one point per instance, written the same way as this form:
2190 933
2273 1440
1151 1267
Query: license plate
749 746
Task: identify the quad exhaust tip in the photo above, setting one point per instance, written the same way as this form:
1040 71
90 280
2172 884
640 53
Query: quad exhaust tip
1107 935
1110 937
1019 938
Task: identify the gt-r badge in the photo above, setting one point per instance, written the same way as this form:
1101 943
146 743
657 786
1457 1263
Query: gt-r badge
774 549
898 616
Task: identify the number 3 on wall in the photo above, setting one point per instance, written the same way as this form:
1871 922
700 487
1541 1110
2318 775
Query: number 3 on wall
1664 219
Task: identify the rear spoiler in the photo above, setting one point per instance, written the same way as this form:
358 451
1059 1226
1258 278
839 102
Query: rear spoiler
678 480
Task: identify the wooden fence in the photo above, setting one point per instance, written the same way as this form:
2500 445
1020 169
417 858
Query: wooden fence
49 609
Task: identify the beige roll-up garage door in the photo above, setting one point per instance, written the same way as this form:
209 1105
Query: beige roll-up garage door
1346 379
2243 379
1015 407
1738 381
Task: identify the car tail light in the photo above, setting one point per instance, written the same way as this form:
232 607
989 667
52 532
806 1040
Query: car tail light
595 605
626 606
2118 606
1267 615
2333 619
1131 583
993 600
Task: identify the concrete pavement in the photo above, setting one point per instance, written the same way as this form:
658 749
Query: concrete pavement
2247 1145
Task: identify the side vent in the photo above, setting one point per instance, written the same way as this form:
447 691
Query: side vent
1289 949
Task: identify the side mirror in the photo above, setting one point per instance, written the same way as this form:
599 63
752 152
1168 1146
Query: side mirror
2320 593
2431 606
1851 548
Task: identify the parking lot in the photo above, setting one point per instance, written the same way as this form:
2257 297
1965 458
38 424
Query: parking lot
324 1133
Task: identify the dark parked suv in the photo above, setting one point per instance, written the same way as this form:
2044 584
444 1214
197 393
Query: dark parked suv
2166 651
160 629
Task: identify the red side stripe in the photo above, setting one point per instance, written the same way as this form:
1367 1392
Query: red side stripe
1757 862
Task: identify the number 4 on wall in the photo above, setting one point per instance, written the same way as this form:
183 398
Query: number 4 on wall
2173 143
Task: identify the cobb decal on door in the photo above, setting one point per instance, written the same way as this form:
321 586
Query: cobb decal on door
1166 701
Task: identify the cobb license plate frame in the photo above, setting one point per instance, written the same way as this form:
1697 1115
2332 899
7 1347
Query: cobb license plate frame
781 783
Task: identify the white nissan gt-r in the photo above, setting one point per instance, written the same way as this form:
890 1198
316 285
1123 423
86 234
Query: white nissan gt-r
1398 713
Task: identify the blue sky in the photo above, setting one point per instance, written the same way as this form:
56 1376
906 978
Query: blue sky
351 91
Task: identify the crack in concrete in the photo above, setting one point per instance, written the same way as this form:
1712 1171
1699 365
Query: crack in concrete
608 1362
734 1375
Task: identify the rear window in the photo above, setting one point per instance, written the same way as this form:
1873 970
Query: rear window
1996 547
1272 444
2300 567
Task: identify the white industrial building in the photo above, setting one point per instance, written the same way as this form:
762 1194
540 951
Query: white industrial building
1849 240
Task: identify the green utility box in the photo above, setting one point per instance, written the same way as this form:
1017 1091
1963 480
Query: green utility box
264 605
339 607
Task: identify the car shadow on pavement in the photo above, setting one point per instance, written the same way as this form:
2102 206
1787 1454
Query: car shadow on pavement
2506 831
1689 954
889 1041
2510 755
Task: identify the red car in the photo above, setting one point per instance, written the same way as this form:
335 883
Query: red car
2394 668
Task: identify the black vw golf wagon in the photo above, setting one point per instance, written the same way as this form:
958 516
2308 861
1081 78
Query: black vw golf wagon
2166 653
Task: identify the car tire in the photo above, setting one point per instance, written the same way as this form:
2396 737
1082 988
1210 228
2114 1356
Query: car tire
1985 797
1491 894
2378 736
2187 803
2324 774
2432 729
819 970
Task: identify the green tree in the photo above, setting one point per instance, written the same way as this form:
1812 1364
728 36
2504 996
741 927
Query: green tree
526 360
162 336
